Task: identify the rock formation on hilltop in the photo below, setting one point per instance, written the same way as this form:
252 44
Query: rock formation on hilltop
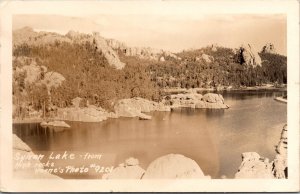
214 47
141 52
29 36
100 44
205 57
269 48
111 56
249 56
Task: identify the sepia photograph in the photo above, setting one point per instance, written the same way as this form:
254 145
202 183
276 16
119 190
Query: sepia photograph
148 95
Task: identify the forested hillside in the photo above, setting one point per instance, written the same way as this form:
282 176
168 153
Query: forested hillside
226 69
87 75
49 75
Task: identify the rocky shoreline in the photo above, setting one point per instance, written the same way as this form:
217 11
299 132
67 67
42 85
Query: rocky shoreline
226 88
255 166
133 107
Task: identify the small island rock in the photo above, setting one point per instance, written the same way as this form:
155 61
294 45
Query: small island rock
55 124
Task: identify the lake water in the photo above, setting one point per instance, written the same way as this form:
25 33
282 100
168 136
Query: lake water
215 139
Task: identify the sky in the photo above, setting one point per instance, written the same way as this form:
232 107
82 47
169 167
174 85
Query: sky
173 32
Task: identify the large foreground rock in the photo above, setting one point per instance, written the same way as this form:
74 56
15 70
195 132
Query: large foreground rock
254 166
18 144
128 170
280 161
22 149
173 166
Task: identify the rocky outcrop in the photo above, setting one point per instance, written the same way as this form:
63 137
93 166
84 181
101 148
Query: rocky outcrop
111 56
281 99
29 36
269 48
128 170
255 166
213 98
133 107
76 102
206 58
145 117
35 74
100 45
173 166
18 144
53 80
136 107
32 71
85 114
142 52
168 54
162 59
195 100
35 169
116 45
214 47
249 56
280 161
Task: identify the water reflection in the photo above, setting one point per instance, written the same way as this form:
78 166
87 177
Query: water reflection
213 138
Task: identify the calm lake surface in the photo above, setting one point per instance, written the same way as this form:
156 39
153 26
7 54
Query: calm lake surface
215 139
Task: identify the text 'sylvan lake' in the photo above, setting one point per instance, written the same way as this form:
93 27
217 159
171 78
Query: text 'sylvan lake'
215 139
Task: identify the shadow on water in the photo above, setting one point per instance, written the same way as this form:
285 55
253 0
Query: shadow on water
215 112
193 111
